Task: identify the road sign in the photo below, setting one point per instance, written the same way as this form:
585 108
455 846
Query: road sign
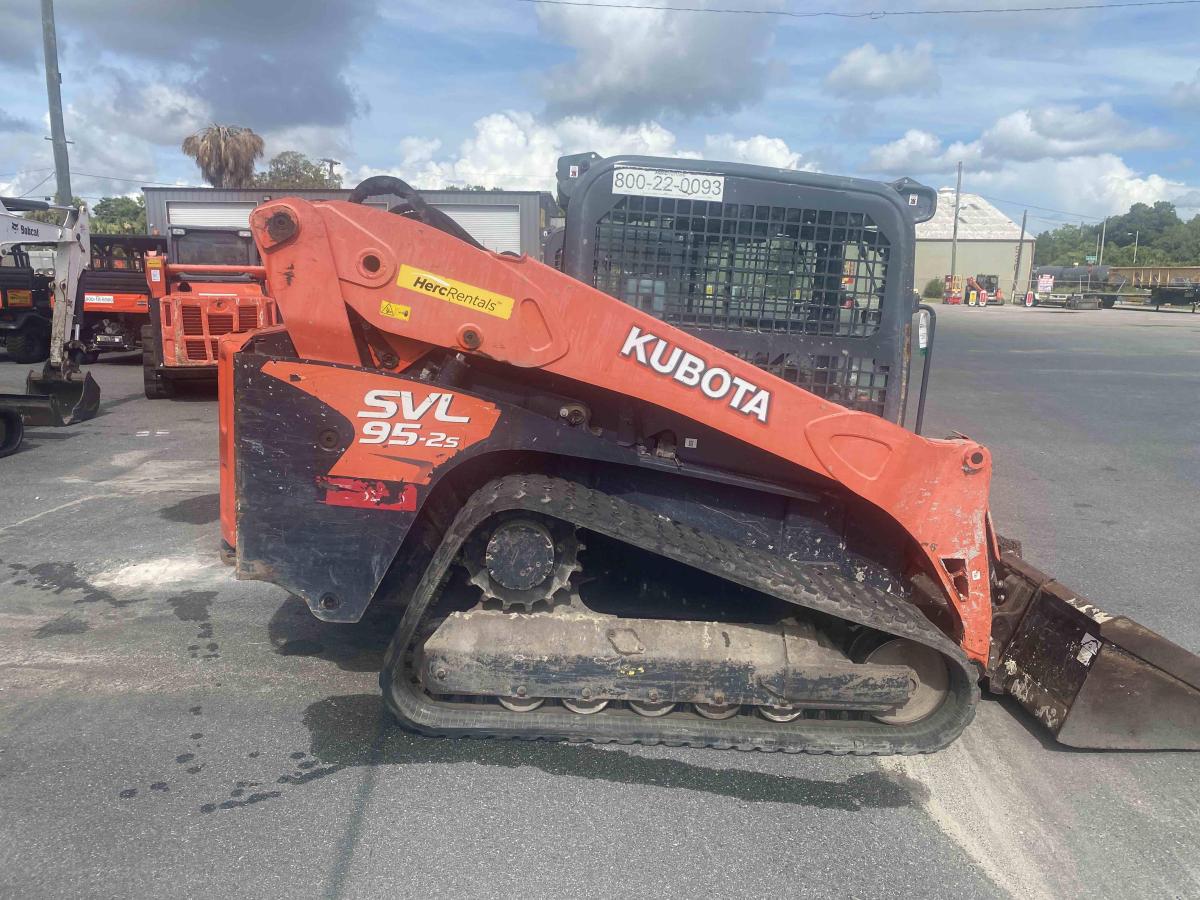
1091 259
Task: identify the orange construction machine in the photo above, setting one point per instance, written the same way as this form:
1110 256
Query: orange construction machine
191 306
662 494
116 298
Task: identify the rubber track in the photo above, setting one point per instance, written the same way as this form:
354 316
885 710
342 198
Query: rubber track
801 585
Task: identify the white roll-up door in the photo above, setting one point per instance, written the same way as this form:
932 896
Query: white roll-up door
496 227
224 214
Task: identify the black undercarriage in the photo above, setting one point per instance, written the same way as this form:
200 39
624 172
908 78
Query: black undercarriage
627 655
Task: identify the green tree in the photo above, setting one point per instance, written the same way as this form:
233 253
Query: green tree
1161 238
292 169
1147 223
935 290
470 187
225 154
119 215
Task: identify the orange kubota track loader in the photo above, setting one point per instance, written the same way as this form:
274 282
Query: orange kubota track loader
603 527
191 307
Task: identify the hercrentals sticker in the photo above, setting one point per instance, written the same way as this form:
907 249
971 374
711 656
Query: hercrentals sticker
457 292
693 371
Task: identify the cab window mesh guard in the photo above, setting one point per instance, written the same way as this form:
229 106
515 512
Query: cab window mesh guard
739 266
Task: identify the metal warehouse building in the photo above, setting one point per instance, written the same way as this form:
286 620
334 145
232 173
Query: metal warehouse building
987 243
511 221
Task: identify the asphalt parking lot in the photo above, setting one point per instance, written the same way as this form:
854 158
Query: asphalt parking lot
168 731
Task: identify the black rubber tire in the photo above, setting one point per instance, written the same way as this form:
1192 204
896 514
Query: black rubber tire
29 345
12 431
156 385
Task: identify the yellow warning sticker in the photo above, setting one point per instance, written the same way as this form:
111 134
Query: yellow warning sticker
395 310
456 292
20 298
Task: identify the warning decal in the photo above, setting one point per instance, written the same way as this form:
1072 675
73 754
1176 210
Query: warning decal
395 310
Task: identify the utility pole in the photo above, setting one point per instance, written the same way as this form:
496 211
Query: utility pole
58 136
331 163
954 233
1020 248
1135 243
1103 228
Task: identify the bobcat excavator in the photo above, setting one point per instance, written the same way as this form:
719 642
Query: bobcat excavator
661 493
60 394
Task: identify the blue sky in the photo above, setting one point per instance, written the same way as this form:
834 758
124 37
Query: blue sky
1078 112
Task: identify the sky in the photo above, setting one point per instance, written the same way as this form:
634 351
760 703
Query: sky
1072 115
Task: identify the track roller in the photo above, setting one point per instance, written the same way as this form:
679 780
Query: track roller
717 710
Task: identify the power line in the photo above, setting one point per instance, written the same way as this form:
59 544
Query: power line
139 180
39 184
1075 216
872 14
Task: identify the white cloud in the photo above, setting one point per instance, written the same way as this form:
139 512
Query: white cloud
1063 157
1060 131
759 150
916 151
634 65
1090 185
1045 133
866 72
115 125
1187 93
515 150
415 151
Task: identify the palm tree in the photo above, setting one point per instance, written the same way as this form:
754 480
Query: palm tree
225 154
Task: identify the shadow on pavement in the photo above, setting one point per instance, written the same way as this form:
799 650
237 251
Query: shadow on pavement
356 730
358 647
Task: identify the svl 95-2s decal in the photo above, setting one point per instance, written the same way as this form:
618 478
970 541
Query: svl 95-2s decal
399 430
383 406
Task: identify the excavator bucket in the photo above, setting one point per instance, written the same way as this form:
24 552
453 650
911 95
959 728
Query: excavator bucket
1094 680
56 398
51 399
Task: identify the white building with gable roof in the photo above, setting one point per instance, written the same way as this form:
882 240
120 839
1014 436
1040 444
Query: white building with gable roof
987 243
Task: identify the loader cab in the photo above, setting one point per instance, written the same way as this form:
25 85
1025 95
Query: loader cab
808 276
211 245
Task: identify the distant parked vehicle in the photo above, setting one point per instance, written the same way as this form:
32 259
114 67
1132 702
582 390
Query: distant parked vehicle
976 290
115 296
1075 287
1177 293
